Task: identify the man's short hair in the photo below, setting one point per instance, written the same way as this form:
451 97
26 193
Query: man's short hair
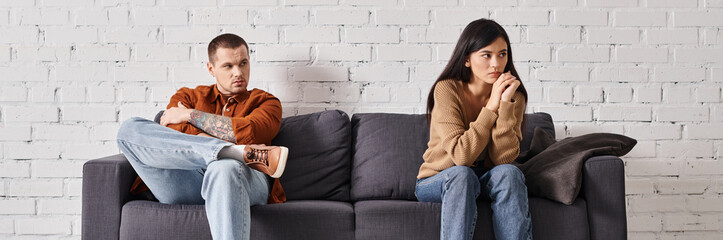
226 40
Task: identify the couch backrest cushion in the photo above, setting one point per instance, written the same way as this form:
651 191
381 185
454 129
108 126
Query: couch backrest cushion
319 162
388 151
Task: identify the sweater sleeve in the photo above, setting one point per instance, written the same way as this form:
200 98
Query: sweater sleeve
506 134
261 125
463 146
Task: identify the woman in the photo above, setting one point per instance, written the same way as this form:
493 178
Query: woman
475 111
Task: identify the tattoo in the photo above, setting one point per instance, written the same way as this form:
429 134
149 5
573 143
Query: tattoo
214 125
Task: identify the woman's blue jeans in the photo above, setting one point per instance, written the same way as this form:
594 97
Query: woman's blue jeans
457 189
185 169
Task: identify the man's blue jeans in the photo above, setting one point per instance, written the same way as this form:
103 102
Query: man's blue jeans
457 189
185 169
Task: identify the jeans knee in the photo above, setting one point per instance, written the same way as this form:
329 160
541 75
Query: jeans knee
226 171
463 176
130 127
133 122
507 174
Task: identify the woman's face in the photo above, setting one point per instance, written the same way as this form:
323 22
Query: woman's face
488 63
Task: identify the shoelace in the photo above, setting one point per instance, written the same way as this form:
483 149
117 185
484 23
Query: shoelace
258 156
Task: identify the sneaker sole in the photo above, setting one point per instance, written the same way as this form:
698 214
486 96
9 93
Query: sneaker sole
282 162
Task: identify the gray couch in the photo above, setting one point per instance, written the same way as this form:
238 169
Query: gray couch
350 179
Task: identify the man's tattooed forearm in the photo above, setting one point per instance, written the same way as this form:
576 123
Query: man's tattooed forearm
214 125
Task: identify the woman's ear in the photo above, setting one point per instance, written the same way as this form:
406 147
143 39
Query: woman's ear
466 62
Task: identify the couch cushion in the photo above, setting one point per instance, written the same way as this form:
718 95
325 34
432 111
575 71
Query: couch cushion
395 219
152 220
291 220
305 219
553 220
388 151
319 160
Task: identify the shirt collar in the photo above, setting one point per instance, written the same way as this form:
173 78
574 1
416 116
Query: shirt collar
217 96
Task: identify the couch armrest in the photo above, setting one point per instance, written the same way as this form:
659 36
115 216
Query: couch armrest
604 190
106 185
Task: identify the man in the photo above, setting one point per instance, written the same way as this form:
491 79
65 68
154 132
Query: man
211 144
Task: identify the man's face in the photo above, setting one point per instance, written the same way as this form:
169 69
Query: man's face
231 69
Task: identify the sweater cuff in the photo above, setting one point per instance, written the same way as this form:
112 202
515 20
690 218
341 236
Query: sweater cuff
506 108
507 115
486 118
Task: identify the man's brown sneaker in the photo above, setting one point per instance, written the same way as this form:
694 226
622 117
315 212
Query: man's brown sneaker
266 159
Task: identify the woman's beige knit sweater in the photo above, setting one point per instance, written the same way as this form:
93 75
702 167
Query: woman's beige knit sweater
456 140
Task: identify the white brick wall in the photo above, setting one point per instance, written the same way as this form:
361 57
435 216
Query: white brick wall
28 188
43 226
682 186
17 207
72 71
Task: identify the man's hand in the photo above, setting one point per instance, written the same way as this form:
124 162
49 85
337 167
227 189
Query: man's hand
176 115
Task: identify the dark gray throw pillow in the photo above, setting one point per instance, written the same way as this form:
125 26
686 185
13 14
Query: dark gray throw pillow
530 123
539 142
556 172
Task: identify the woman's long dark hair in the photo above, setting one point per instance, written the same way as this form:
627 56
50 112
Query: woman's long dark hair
477 35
